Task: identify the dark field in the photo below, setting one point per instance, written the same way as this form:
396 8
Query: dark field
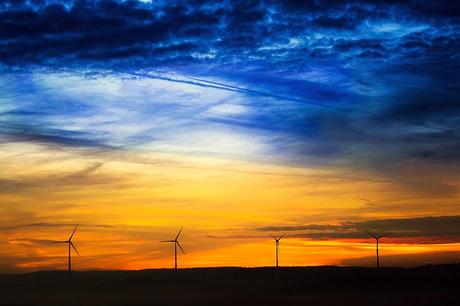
428 285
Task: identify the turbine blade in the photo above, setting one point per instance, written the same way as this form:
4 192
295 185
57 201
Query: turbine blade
74 248
273 236
281 236
179 233
180 247
70 238
372 235
168 241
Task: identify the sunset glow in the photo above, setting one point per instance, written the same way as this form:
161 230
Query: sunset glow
307 132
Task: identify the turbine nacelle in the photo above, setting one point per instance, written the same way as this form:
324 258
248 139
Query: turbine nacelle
377 236
278 238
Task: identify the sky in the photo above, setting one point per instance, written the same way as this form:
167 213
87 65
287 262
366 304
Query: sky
323 120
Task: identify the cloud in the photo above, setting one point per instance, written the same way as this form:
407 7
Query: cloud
442 229
335 23
47 225
32 225
49 136
87 176
133 33
107 30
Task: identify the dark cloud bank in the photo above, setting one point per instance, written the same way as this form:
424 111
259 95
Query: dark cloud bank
179 32
443 229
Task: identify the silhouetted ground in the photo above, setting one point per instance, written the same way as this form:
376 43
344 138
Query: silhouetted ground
315 286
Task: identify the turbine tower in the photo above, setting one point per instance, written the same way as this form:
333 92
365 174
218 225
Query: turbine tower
377 237
277 246
176 244
70 244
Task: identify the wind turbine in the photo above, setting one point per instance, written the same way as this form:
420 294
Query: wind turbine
176 244
277 246
70 244
377 237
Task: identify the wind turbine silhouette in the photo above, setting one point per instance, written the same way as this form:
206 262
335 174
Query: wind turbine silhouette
176 244
377 237
70 244
277 246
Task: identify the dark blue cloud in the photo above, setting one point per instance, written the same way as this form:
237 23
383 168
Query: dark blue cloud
139 34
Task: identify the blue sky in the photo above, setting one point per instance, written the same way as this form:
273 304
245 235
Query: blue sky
307 80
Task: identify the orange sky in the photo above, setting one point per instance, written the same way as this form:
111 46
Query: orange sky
125 202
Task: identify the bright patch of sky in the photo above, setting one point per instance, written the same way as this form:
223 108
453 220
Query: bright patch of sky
126 111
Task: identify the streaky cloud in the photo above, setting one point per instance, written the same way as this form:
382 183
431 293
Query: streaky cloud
446 228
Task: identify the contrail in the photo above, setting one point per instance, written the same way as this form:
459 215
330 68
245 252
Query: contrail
179 81
241 89
222 86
